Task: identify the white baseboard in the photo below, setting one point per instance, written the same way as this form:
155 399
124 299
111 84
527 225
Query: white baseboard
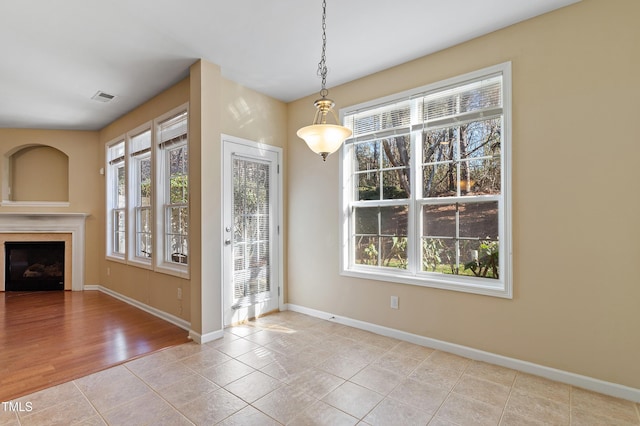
185 325
205 338
585 382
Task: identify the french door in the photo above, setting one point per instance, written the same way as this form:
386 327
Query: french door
251 221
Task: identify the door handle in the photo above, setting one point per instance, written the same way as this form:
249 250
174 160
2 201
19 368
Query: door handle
227 242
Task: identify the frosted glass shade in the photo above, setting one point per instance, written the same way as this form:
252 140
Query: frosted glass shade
324 139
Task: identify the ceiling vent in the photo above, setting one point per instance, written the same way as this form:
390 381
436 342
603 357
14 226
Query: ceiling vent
101 96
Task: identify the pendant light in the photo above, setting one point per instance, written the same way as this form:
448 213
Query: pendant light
323 138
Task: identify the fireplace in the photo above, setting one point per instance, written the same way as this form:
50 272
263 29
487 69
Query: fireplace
34 265
31 227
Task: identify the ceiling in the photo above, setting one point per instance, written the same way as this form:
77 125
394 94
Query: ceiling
55 55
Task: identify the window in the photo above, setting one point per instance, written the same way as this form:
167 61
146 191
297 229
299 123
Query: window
148 195
426 186
141 187
116 200
174 157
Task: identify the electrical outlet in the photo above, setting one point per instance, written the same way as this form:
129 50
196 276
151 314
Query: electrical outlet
394 302
179 293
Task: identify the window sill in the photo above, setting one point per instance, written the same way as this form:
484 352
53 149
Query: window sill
118 259
180 271
457 283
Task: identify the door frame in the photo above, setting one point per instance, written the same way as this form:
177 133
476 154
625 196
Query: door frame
278 258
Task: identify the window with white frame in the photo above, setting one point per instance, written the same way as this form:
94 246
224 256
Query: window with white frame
148 195
116 200
426 178
174 155
141 188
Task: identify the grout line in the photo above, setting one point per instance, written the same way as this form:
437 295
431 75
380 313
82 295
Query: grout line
90 403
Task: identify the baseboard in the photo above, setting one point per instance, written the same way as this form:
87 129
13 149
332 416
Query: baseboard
185 325
205 338
585 382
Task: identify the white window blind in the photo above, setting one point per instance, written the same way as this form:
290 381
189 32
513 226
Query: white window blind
173 129
141 143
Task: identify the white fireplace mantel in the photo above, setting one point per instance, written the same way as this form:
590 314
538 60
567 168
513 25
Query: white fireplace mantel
40 223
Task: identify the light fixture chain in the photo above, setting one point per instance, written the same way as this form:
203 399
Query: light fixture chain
322 65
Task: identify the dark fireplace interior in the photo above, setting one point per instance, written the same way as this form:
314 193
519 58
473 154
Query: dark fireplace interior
34 265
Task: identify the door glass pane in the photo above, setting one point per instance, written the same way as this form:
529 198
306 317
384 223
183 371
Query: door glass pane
251 219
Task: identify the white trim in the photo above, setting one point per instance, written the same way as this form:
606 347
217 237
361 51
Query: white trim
205 338
110 202
183 324
132 204
42 223
585 382
160 198
51 204
279 169
414 275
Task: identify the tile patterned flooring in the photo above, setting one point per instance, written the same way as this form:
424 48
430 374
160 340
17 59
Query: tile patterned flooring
289 368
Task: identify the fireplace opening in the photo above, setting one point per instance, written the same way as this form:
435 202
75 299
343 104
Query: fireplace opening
34 265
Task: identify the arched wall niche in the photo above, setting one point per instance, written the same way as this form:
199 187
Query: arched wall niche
36 173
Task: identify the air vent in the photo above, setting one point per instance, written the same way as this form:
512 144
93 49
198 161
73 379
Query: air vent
101 96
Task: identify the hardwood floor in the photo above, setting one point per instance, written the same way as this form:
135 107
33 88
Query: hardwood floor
48 338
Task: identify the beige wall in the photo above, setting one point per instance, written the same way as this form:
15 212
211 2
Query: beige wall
154 289
219 106
575 203
216 105
81 148
251 115
39 173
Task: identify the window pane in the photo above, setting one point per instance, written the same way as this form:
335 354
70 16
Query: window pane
367 155
143 234
481 138
178 247
479 220
479 258
439 221
177 220
440 180
396 152
366 220
397 182
439 255
144 180
394 220
178 189
367 250
119 241
121 187
178 175
484 177
368 186
143 248
480 146
177 161
394 252
381 236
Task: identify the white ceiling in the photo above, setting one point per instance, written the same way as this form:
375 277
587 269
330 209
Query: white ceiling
55 55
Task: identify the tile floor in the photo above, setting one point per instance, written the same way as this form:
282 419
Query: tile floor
290 368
